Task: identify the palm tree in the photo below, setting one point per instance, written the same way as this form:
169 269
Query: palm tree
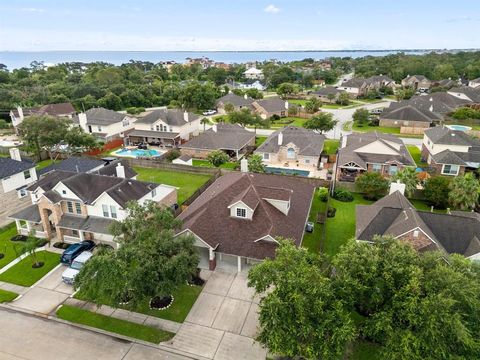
204 121
464 192
30 247
407 176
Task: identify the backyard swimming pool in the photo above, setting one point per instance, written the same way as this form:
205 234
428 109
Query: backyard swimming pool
284 171
459 127
136 153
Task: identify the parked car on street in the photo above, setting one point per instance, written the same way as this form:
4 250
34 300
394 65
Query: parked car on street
209 112
74 250
69 275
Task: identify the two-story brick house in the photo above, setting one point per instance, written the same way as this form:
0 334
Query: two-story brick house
69 206
450 152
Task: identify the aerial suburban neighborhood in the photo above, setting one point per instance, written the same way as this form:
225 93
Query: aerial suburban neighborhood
226 203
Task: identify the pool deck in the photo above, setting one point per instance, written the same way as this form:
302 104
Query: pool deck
312 172
160 151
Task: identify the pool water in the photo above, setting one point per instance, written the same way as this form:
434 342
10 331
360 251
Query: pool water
459 127
283 171
138 153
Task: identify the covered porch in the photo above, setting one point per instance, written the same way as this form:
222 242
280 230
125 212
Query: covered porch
349 172
161 139
28 221
73 229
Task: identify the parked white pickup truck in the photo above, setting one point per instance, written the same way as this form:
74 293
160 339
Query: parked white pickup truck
68 275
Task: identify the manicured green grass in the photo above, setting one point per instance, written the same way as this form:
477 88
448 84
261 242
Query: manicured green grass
381 129
416 155
187 183
297 102
184 298
312 241
259 140
25 275
330 146
422 205
8 247
341 228
122 327
296 121
7 296
43 164
205 163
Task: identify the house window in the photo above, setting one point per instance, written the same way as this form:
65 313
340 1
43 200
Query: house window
241 212
158 127
105 210
26 174
152 127
393 169
450 169
290 153
70 207
64 192
78 208
377 167
75 233
113 211
266 156
154 193
307 161
99 128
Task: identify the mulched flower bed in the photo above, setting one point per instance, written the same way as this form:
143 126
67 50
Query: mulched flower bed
196 281
61 245
161 303
38 265
19 238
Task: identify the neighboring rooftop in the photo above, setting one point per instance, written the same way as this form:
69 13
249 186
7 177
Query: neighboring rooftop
235 100
73 164
49 109
209 218
308 142
472 93
410 113
101 116
439 102
446 136
9 167
172 117
226 137
272 104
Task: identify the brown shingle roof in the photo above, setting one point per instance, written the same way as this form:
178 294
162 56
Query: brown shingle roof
209 216
227 137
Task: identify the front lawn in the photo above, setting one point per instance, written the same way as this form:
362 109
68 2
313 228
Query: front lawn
330 146
7 247
43 164
312 241
259 140
205 163
187 183
7 296
107 323
288 121
381 129
24 274
184 298
416 155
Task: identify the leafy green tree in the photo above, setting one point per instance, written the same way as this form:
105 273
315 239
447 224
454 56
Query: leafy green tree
111 101
373 185
244 117
229 107
464 192
254 93
343 98
150 261
30 247
361 117
204 122
312 105
217 158
300 314
436 190
407 176
415 305
292 110
286 89
255 164
322 122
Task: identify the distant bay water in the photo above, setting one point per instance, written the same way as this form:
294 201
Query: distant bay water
18 59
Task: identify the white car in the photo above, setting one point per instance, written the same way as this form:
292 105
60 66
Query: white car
209 112
68 275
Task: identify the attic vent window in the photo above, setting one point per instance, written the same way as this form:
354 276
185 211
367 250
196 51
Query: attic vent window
415 234
241 212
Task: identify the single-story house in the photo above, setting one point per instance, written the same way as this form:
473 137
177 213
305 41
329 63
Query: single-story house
16 173
328 94
454 233
236 221
417 82
271 106
438 103
238 102
105 124
408 116
371 152
450 152
231 138
292 147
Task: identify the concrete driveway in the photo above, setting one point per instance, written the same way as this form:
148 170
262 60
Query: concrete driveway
46 295
223 321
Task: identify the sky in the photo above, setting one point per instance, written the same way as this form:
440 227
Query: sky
238 25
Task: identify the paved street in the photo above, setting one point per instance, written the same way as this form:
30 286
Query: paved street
30 338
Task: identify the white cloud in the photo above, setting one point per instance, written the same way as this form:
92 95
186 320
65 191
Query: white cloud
272 9
32 10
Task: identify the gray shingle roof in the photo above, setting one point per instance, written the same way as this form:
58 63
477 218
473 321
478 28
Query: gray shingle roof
74 164
235 100
309 142
90 223
445 136
440 102
30 213
410 113
326 91
227 137
472 93
153 134
273 104
173 117
9 167
356 141
448 157
101 116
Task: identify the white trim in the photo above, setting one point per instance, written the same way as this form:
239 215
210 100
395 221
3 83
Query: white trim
199 238
240 201
444 173
417 228
268 238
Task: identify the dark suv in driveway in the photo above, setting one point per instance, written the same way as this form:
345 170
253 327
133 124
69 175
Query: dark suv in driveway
74 250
